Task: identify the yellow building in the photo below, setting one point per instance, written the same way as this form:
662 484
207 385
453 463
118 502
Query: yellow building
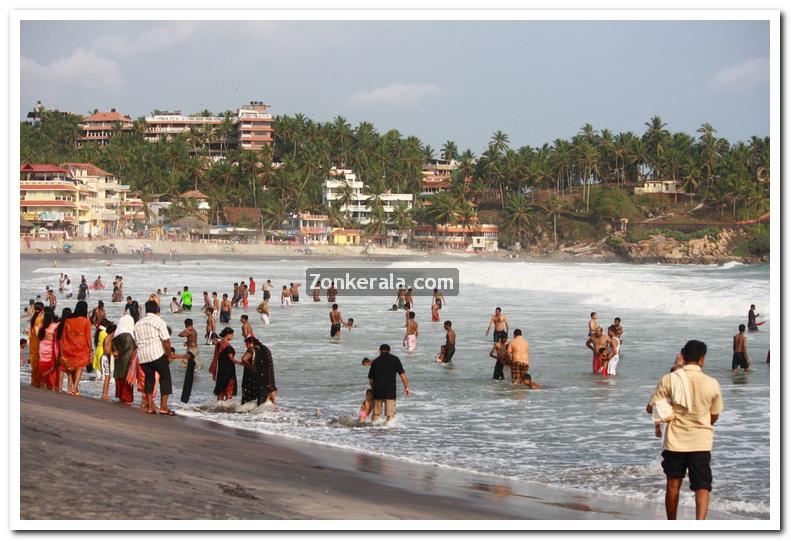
345 237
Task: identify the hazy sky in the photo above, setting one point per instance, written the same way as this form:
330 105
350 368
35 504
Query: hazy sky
438 80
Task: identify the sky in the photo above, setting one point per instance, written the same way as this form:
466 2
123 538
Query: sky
438 80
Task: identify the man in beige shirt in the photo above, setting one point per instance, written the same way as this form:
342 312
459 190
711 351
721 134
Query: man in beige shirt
690 434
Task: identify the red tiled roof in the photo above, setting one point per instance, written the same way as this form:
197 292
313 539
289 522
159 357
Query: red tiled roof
40 168
234 215
110 116
92 170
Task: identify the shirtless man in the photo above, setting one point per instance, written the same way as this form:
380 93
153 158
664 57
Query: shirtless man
295 291
53 302
215 304
336 320
752 324
210 326
499 352
408 300
236 297
285 296
614 345
741 359
595 342
243 294
316 291
410 337
191 342
519 351
450 342
500 324
592 324
206 301
267 286
331 292
247 329
400 302
616 324
225 309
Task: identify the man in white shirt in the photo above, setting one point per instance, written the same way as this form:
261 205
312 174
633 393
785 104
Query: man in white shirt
154 354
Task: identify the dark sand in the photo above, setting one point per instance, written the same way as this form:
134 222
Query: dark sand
86 459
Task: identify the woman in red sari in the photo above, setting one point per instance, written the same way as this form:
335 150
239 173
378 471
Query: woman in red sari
74 339
49 372
36 320
223 366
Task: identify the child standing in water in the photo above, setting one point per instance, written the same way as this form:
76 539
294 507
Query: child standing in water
367 407
210 327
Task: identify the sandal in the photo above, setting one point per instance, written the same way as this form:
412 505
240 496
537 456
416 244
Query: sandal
169 413
152 412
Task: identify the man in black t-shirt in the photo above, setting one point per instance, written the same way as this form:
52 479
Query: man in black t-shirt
382 377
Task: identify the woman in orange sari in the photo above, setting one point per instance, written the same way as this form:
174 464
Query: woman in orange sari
74 337
48 352
36 321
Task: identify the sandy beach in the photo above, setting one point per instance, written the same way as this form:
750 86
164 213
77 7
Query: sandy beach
102 460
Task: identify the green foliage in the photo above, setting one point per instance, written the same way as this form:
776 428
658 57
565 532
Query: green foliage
757 243
612 204
636 235
613 241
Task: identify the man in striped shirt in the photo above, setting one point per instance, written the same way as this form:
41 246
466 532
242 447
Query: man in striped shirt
154 354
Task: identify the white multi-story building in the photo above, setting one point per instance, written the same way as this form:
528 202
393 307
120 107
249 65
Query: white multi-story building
359 206
102 197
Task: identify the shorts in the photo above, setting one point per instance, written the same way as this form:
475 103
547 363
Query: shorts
196 354
449 351
186 307
389 407
225 317
267 295
675 466
294 298
160 366
739 361
411 343
498 334
518 370
335 328
107 365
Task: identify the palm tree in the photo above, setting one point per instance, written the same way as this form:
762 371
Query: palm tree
499 141
377 226
709 153
346 196
555 207
402 218
655 138
444 209
449 151
518 216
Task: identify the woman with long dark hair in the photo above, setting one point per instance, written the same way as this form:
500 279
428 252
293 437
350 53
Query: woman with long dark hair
75 345
48 351
258 382
223 366
36 321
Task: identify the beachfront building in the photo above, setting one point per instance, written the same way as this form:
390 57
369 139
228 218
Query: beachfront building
100 126
472 237
48 198
342 189
308 228
345 237
437 177
132 211
199 199
249 127
661 187
101 199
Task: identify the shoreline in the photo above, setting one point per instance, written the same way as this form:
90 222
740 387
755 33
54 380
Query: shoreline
131 462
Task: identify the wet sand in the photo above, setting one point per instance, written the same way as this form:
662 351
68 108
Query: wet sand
86 459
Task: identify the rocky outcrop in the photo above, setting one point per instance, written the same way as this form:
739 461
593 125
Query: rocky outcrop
662 249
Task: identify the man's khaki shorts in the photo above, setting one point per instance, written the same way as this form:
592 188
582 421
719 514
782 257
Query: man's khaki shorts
389 407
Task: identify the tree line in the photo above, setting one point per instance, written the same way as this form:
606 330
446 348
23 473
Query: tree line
522 183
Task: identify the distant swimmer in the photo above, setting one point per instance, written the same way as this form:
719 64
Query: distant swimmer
616 325
316 292
332 292
752 324
267 286
263 309
225 309
500 324
247 329
215 304
499 352
434 311
400 299
175 307
252 287
410 336
285 296
450 342
336 320
438 298
614 350
519 352
527 381
741 359
595 342
393 308
593 323
210 325
295 291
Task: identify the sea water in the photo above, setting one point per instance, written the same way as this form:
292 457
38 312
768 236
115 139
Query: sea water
581 431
